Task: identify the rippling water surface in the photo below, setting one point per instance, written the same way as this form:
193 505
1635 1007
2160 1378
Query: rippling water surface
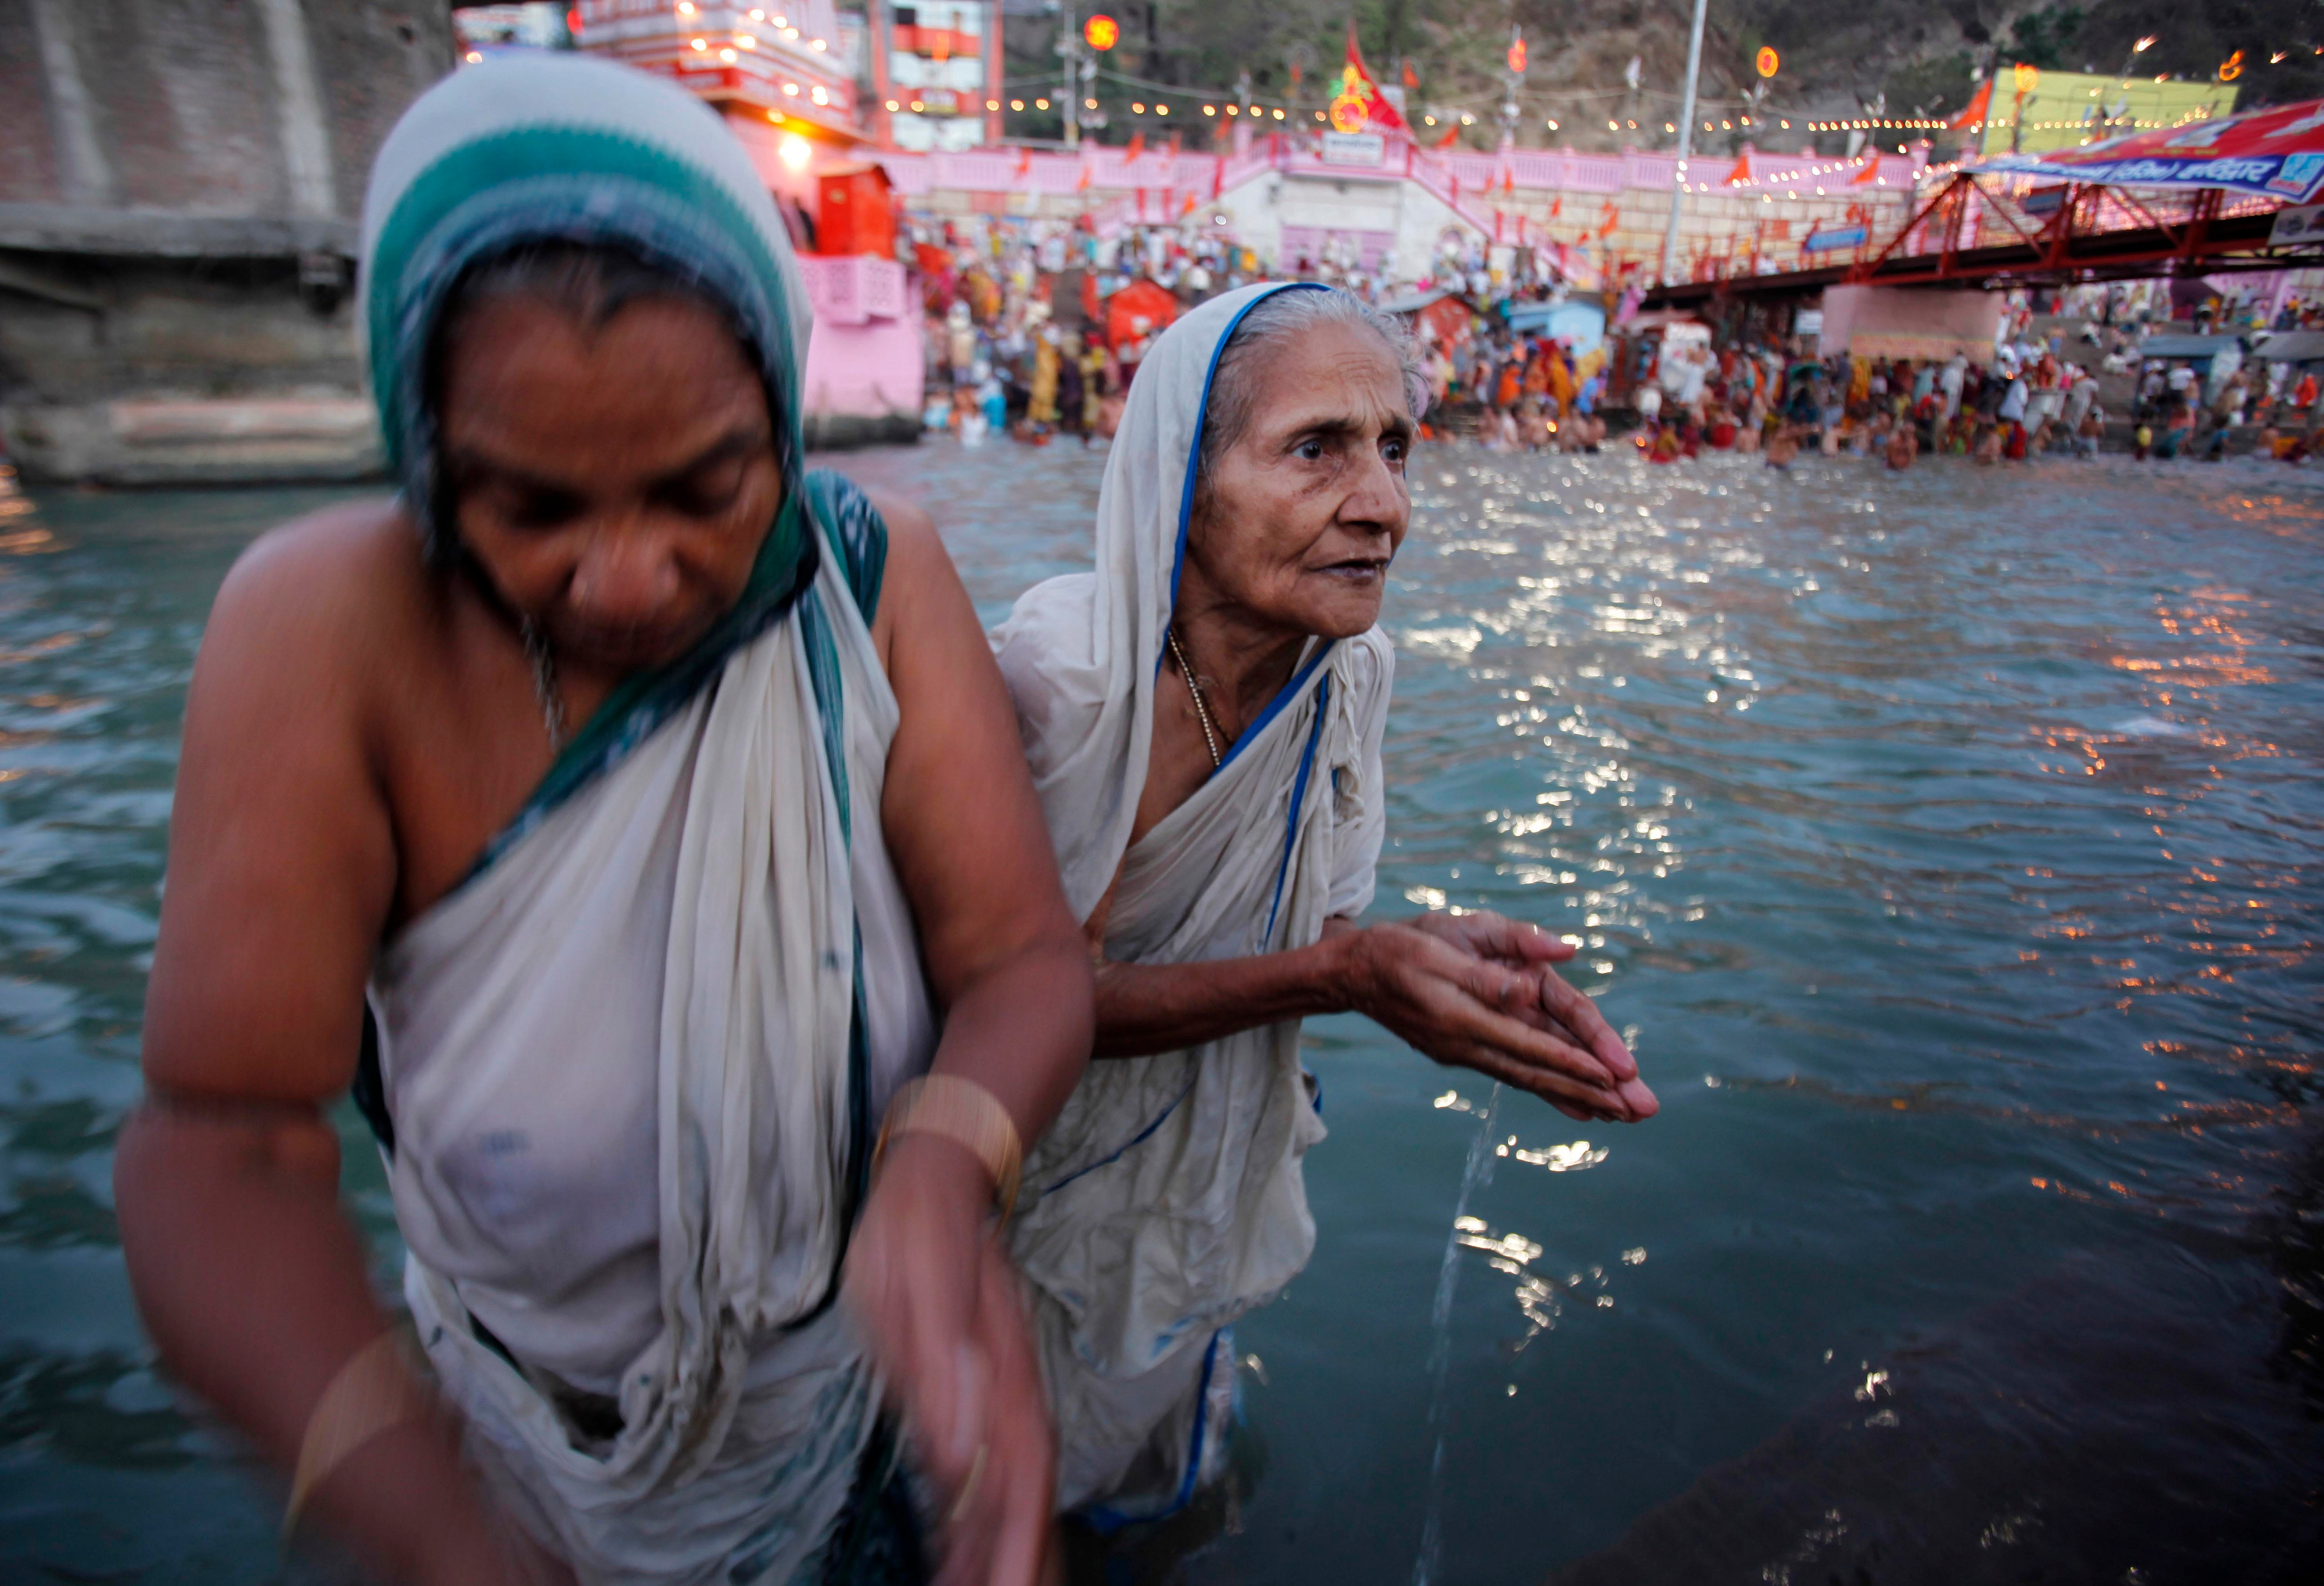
1950 842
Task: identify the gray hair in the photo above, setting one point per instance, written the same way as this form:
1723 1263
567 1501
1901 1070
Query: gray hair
1286 315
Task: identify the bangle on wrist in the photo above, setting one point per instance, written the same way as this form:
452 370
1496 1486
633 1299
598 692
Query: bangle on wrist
968 1114
375 1391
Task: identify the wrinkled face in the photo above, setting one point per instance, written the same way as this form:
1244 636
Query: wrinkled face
614 481
1300 517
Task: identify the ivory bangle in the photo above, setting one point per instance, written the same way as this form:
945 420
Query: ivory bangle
374 1392
966 1114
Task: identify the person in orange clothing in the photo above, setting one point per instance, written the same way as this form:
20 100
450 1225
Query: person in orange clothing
1511 387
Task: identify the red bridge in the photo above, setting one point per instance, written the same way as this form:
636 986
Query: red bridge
2050 235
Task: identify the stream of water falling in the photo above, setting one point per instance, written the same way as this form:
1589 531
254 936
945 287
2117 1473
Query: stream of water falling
1476 1171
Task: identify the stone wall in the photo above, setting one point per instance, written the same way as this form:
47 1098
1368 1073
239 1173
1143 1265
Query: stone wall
177 221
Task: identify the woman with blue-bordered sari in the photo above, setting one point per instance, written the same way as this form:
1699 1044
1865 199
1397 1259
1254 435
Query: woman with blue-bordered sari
1205 715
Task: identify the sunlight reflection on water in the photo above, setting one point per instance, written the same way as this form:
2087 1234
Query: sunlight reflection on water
1946 844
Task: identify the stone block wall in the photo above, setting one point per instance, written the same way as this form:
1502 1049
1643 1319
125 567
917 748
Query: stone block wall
178 218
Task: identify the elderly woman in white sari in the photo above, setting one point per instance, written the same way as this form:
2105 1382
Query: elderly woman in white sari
659 799
1204 715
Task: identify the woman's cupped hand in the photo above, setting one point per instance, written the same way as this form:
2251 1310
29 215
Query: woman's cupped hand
928 1282
1479 990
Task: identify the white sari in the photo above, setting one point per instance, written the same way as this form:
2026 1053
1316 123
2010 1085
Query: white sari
1167 1199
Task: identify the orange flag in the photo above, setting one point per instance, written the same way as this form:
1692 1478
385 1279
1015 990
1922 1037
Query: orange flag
1136 146
1557 205
1973 113
1451 134
1508 179
1080 184
1868 175
1359 106
1024 160
1741 175
1608 217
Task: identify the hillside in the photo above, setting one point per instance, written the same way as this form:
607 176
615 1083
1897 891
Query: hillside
1838 56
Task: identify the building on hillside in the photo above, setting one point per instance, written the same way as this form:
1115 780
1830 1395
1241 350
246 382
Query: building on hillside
795 64
2022 109
939 75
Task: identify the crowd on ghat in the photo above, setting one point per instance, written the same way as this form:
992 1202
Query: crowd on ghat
1040 338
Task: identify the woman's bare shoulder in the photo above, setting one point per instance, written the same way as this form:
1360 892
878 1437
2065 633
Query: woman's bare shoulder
335 581
915 558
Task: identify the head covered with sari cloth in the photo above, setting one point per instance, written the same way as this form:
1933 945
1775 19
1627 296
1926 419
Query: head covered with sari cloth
1167 1197
698 888
559 149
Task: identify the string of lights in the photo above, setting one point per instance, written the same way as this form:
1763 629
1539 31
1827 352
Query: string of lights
1161 100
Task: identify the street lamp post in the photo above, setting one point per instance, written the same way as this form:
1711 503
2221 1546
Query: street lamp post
1070 100
1685 141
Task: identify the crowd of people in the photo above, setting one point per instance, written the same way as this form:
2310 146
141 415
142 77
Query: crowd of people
1036 331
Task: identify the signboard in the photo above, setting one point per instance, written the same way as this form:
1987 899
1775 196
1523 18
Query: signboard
1341 148
1841 236
2275 153
2299 223
1808 322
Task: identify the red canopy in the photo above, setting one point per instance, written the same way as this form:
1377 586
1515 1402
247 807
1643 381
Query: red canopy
2277 152
1139 309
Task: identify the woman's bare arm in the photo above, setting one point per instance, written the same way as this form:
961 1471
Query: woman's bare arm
281 867
1475 989
966 831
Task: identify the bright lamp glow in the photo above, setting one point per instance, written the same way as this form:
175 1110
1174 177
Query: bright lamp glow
794 152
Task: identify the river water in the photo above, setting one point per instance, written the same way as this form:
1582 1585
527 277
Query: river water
1949 843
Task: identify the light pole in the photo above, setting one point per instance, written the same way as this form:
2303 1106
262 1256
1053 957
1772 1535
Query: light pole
1686 141
1068 31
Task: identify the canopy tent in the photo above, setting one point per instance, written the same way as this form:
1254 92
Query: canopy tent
2195 349
1581 325
1659 319
2293 347
1136 311
1412 302
2277 152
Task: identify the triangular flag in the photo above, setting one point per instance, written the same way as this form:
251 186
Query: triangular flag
1411 77
1080 184
1557 205
1609 218
1024 160
1136 146
1508 179
1973 114
1359 105
1741 175
1174 145
1868 175
1189 208
1451 134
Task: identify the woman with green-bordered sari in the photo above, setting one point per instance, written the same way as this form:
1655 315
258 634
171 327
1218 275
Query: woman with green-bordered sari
636 821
